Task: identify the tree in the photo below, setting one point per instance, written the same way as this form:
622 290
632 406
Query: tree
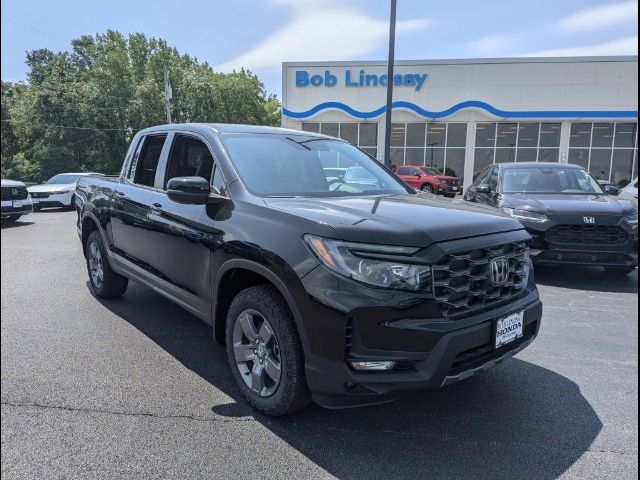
79 109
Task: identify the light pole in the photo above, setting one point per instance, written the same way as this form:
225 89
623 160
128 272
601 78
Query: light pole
387 124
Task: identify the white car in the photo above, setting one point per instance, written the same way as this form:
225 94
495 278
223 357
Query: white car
58 191
630 192
15 200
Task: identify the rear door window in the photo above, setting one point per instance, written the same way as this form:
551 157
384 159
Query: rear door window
145 162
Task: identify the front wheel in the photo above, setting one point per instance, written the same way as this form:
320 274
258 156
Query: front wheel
427 188
103 282
620 270
264 351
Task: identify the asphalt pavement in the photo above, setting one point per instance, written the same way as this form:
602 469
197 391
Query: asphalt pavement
136 388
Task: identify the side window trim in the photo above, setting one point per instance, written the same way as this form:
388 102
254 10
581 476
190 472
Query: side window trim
158 182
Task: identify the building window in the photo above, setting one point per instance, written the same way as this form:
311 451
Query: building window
501 142
434 144
607 149
363 135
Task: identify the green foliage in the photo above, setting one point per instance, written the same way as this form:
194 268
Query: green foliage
79 109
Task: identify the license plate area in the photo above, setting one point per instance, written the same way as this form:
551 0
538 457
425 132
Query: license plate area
509 329
17 204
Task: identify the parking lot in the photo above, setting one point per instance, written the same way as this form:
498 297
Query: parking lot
136 388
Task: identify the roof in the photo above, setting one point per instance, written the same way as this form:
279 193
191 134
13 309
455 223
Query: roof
467 61
538 164
230 128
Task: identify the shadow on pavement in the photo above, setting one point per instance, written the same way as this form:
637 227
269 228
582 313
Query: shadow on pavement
586 278
518 420
15 224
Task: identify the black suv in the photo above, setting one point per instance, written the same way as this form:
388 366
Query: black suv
344 292
572 218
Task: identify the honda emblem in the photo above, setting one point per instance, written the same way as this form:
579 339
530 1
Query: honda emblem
499 270
588 219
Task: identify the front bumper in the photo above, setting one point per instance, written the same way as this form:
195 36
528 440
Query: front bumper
448 190
544 252
396 326
46 200
16 207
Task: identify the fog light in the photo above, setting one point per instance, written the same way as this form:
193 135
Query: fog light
372 365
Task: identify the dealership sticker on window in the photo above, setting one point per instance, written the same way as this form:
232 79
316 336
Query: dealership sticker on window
509 328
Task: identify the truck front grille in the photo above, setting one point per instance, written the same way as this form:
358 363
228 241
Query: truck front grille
463 284
14 193
587 234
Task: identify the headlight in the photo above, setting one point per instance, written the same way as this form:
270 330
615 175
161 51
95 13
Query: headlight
526 215
632 219
357 261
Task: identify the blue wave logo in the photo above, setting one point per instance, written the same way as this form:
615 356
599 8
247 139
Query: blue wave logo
474 104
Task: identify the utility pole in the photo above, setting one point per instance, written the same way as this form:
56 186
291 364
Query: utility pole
387 117
168 94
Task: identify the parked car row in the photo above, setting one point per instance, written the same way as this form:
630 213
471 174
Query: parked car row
58 191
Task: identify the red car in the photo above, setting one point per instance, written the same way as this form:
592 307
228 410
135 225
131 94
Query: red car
428 179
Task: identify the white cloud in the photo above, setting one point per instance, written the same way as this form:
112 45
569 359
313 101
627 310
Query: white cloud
320 30
620 46
491 45
601 17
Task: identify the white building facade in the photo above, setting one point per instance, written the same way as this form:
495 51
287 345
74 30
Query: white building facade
462 115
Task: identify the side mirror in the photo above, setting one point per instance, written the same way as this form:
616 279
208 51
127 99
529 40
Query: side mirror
418 175
189 190
483 188
611 190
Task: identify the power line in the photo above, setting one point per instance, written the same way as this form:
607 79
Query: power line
35 29
66 127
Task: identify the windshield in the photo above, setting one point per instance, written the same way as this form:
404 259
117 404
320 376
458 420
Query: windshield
549 180
63 179
430 171
300 165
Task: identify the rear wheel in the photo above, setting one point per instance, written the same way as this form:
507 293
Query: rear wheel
620 270
103 282
264 351
427 188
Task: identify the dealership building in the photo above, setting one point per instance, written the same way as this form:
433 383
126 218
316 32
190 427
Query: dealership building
462 115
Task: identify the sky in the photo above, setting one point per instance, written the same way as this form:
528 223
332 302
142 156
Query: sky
261 34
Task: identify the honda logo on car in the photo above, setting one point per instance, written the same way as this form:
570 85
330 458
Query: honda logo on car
499 270
588 219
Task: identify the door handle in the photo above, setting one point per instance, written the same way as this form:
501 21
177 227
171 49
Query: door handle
155 207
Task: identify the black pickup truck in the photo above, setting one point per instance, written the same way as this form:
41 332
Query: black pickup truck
347 292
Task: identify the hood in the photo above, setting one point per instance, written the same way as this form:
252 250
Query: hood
444 177
568 204
11 183
52 187
408 220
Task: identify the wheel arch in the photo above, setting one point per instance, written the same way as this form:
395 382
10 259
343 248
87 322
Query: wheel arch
247 273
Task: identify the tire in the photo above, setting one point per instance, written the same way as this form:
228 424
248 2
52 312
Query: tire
103 282
260 328
620 270
427 188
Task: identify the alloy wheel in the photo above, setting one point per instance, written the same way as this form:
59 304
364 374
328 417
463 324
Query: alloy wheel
257 353
96 269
